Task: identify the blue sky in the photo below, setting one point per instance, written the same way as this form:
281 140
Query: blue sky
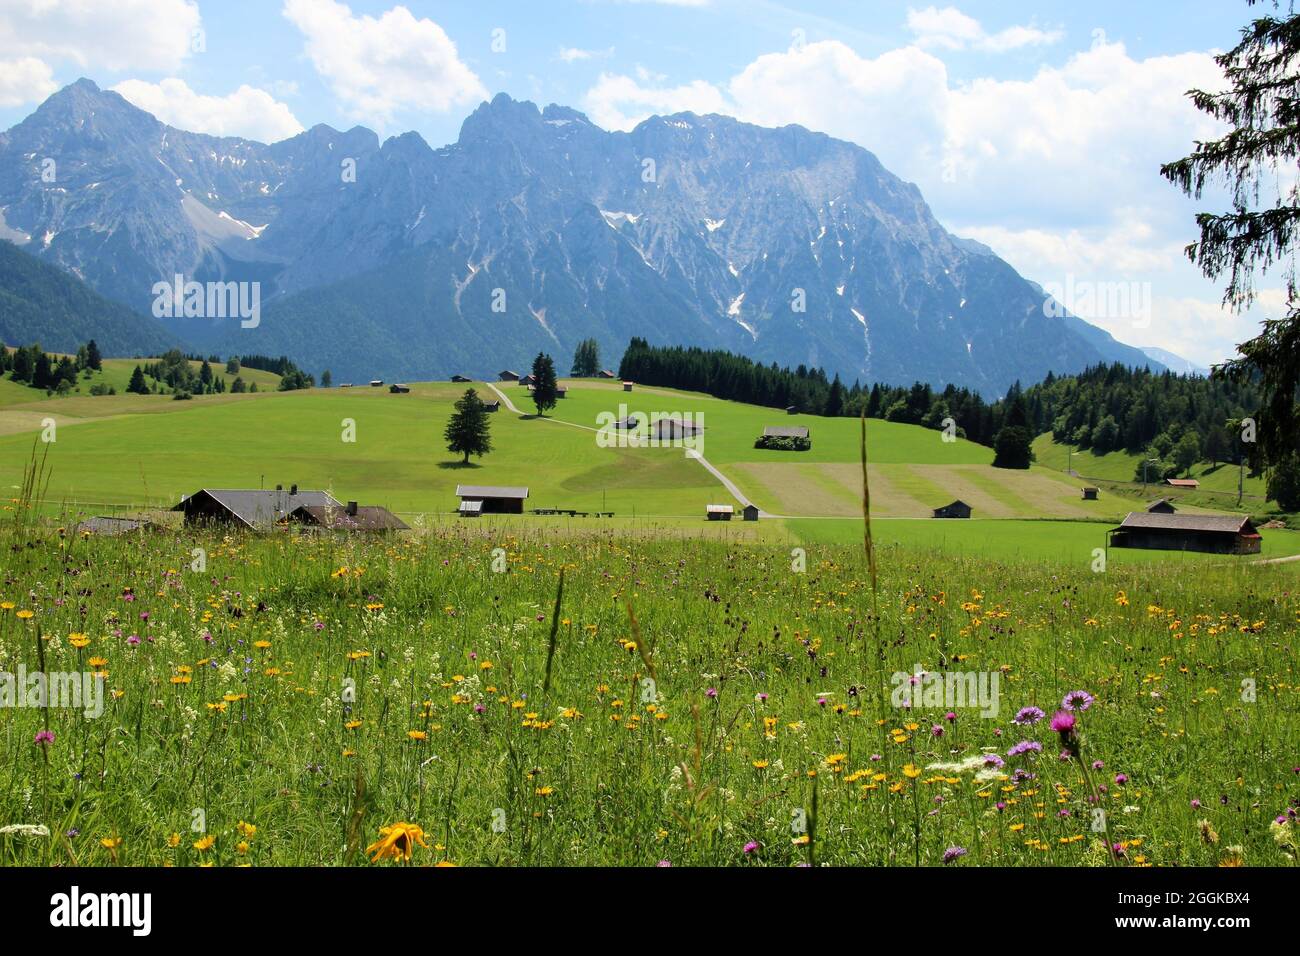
1034 127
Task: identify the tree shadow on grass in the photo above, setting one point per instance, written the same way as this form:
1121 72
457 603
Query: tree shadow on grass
458 465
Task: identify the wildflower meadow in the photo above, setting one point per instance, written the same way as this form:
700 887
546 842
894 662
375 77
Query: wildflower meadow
491 695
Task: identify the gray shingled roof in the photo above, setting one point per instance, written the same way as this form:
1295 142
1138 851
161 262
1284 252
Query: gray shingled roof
785 431
490 491
1227 523
258 508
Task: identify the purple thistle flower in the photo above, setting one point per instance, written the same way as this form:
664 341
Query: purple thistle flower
1025 746
1027 716
751 847
1077 700
711 692
953 852
1097 765
993 760
936 731
1063 722
1121 778
45 737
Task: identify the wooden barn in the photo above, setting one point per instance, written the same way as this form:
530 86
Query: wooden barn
376 382
750 512
1161 506
507 375
492 406
527 380
1191 484
958 509
667 429
460 379
491 499
1215 534
785 438
719 512
627 386
792 409
399 389
1090 494
605 373
257 510
350 517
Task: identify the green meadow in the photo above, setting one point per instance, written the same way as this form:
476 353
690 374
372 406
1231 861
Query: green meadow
438 699
127 453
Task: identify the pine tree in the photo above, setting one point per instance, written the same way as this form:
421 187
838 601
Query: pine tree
1258 106
544 387
834 400
137 385
94 361
586 359
326 380
1012 447
467 431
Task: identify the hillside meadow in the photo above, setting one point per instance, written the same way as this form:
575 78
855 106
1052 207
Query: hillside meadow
131 453
683 702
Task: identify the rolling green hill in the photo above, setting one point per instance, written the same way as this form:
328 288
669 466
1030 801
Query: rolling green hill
42 303
147 451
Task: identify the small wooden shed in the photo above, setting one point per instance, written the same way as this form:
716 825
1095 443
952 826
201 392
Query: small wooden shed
719 512
1090 494
958 509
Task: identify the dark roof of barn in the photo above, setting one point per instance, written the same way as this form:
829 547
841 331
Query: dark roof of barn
490 491
258 508
367 518
1230 524
954 504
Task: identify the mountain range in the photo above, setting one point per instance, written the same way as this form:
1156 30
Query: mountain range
535 230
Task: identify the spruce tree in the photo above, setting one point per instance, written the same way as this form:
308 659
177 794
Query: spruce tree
467 431
544 387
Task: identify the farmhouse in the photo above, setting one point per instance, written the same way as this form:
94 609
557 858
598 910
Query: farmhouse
461 378
1190 483
719 512
492 406
507 375
254 509
491 499
352 517
398 389
1215 534
958 509
1161 506
1089 494
670 428
527 380
750 511
376 382
605 373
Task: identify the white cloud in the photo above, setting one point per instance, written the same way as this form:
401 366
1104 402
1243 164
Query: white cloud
151 35
620 102
247 112
950 29
25 80
380 65
572 54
